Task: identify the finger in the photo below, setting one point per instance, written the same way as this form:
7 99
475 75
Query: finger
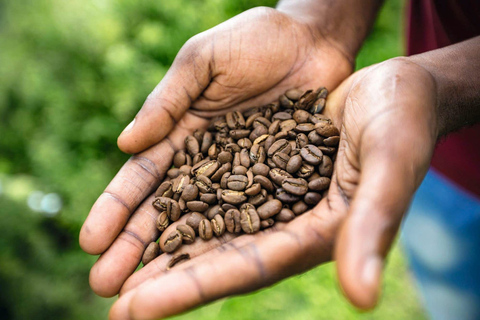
138 178
385 189
188 76
303 243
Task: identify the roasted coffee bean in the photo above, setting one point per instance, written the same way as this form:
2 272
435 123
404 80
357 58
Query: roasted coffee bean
198 134
327 150
182 205
282 116
236 159
264 182
285 197
261 121
253 190
210 198
312 198
179 183
306 101
264 224
325 168
232 147
301 116
278 175
206 142
213 211
316 118
233 197
285 215
173 242
315 138
294 164
239 170
281 145
245 158
218 225
249 218
257 154
203 184
305 171
258 199
244 143
220 124
173 173
186 170
260 169
213 151
151 252
170 206
301 140
194 220
251 119
205 167
164 190
326 129
331 141
293 94
299 208
318 105
223 181
319 184
179 159
281 159
232 221
274 127
305 128
235 120
288 125
237 182
269 209
224 157
197 158
261 140
192 145
205 230
257 132
227 206
311 154
190 192
162 221
268 142
296 186
177 259
281 135
198 206
187 232
239 133
249 178
285 102
226 167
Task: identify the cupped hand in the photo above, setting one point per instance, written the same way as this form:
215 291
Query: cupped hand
387 115
247 61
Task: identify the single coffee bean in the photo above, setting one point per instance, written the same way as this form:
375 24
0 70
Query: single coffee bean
239 170
332 141
192 145
319 184
316 118
294 164
285 102
232 147
288 125
311 154
223 181
325 168
312 198
198 134
217 176
194 220
269 209
224 157
249 179
326 130
179 183
213 211
170 206
282 116
164 190
210 198
251 119
236 160
249 218
206 167
315 138
299 208
257 154
227 206
261 140
327 150
257 132
301 140
173 173
205 230
218 225
261 121
233 197
264 224
187 232
177 259
182 205
197 158
301 116
179 159
237 182
285 215
253 190
264 182
278 175
281 159
235 120
203 184
305 171
173 242
244 143
162 221
258 199
213 151
260 169
245 158
293 94
151 252
281 145
190 192
206 142
285 197
198 206
240 133
186 170
268 142
318 105
274 127
306 101
296 186
305 128
232 221
281 135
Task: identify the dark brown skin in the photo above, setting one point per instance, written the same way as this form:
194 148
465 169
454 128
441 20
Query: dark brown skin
390 116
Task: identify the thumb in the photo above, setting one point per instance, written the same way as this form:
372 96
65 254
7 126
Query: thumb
385 188
185 80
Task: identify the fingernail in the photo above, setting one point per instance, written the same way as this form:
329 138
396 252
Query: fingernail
130 126
371 274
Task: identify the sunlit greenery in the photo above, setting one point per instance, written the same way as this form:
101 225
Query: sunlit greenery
72 75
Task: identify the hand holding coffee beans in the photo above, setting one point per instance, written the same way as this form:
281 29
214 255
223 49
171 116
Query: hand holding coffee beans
248 171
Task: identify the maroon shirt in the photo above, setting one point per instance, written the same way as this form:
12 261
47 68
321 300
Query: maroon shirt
436 24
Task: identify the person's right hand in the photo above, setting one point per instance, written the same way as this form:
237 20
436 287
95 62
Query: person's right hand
249 60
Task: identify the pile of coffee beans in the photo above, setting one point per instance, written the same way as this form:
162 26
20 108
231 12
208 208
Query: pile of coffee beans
248 171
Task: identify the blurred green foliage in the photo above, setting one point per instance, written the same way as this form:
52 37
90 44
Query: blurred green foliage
72 75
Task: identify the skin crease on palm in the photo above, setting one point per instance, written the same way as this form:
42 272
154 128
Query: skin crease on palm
356 223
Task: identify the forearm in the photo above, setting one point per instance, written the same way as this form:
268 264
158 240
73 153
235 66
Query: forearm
456 70
344 23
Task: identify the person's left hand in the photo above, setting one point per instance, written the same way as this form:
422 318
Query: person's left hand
388 120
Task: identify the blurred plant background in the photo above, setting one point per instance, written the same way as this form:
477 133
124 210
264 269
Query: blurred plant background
72 75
